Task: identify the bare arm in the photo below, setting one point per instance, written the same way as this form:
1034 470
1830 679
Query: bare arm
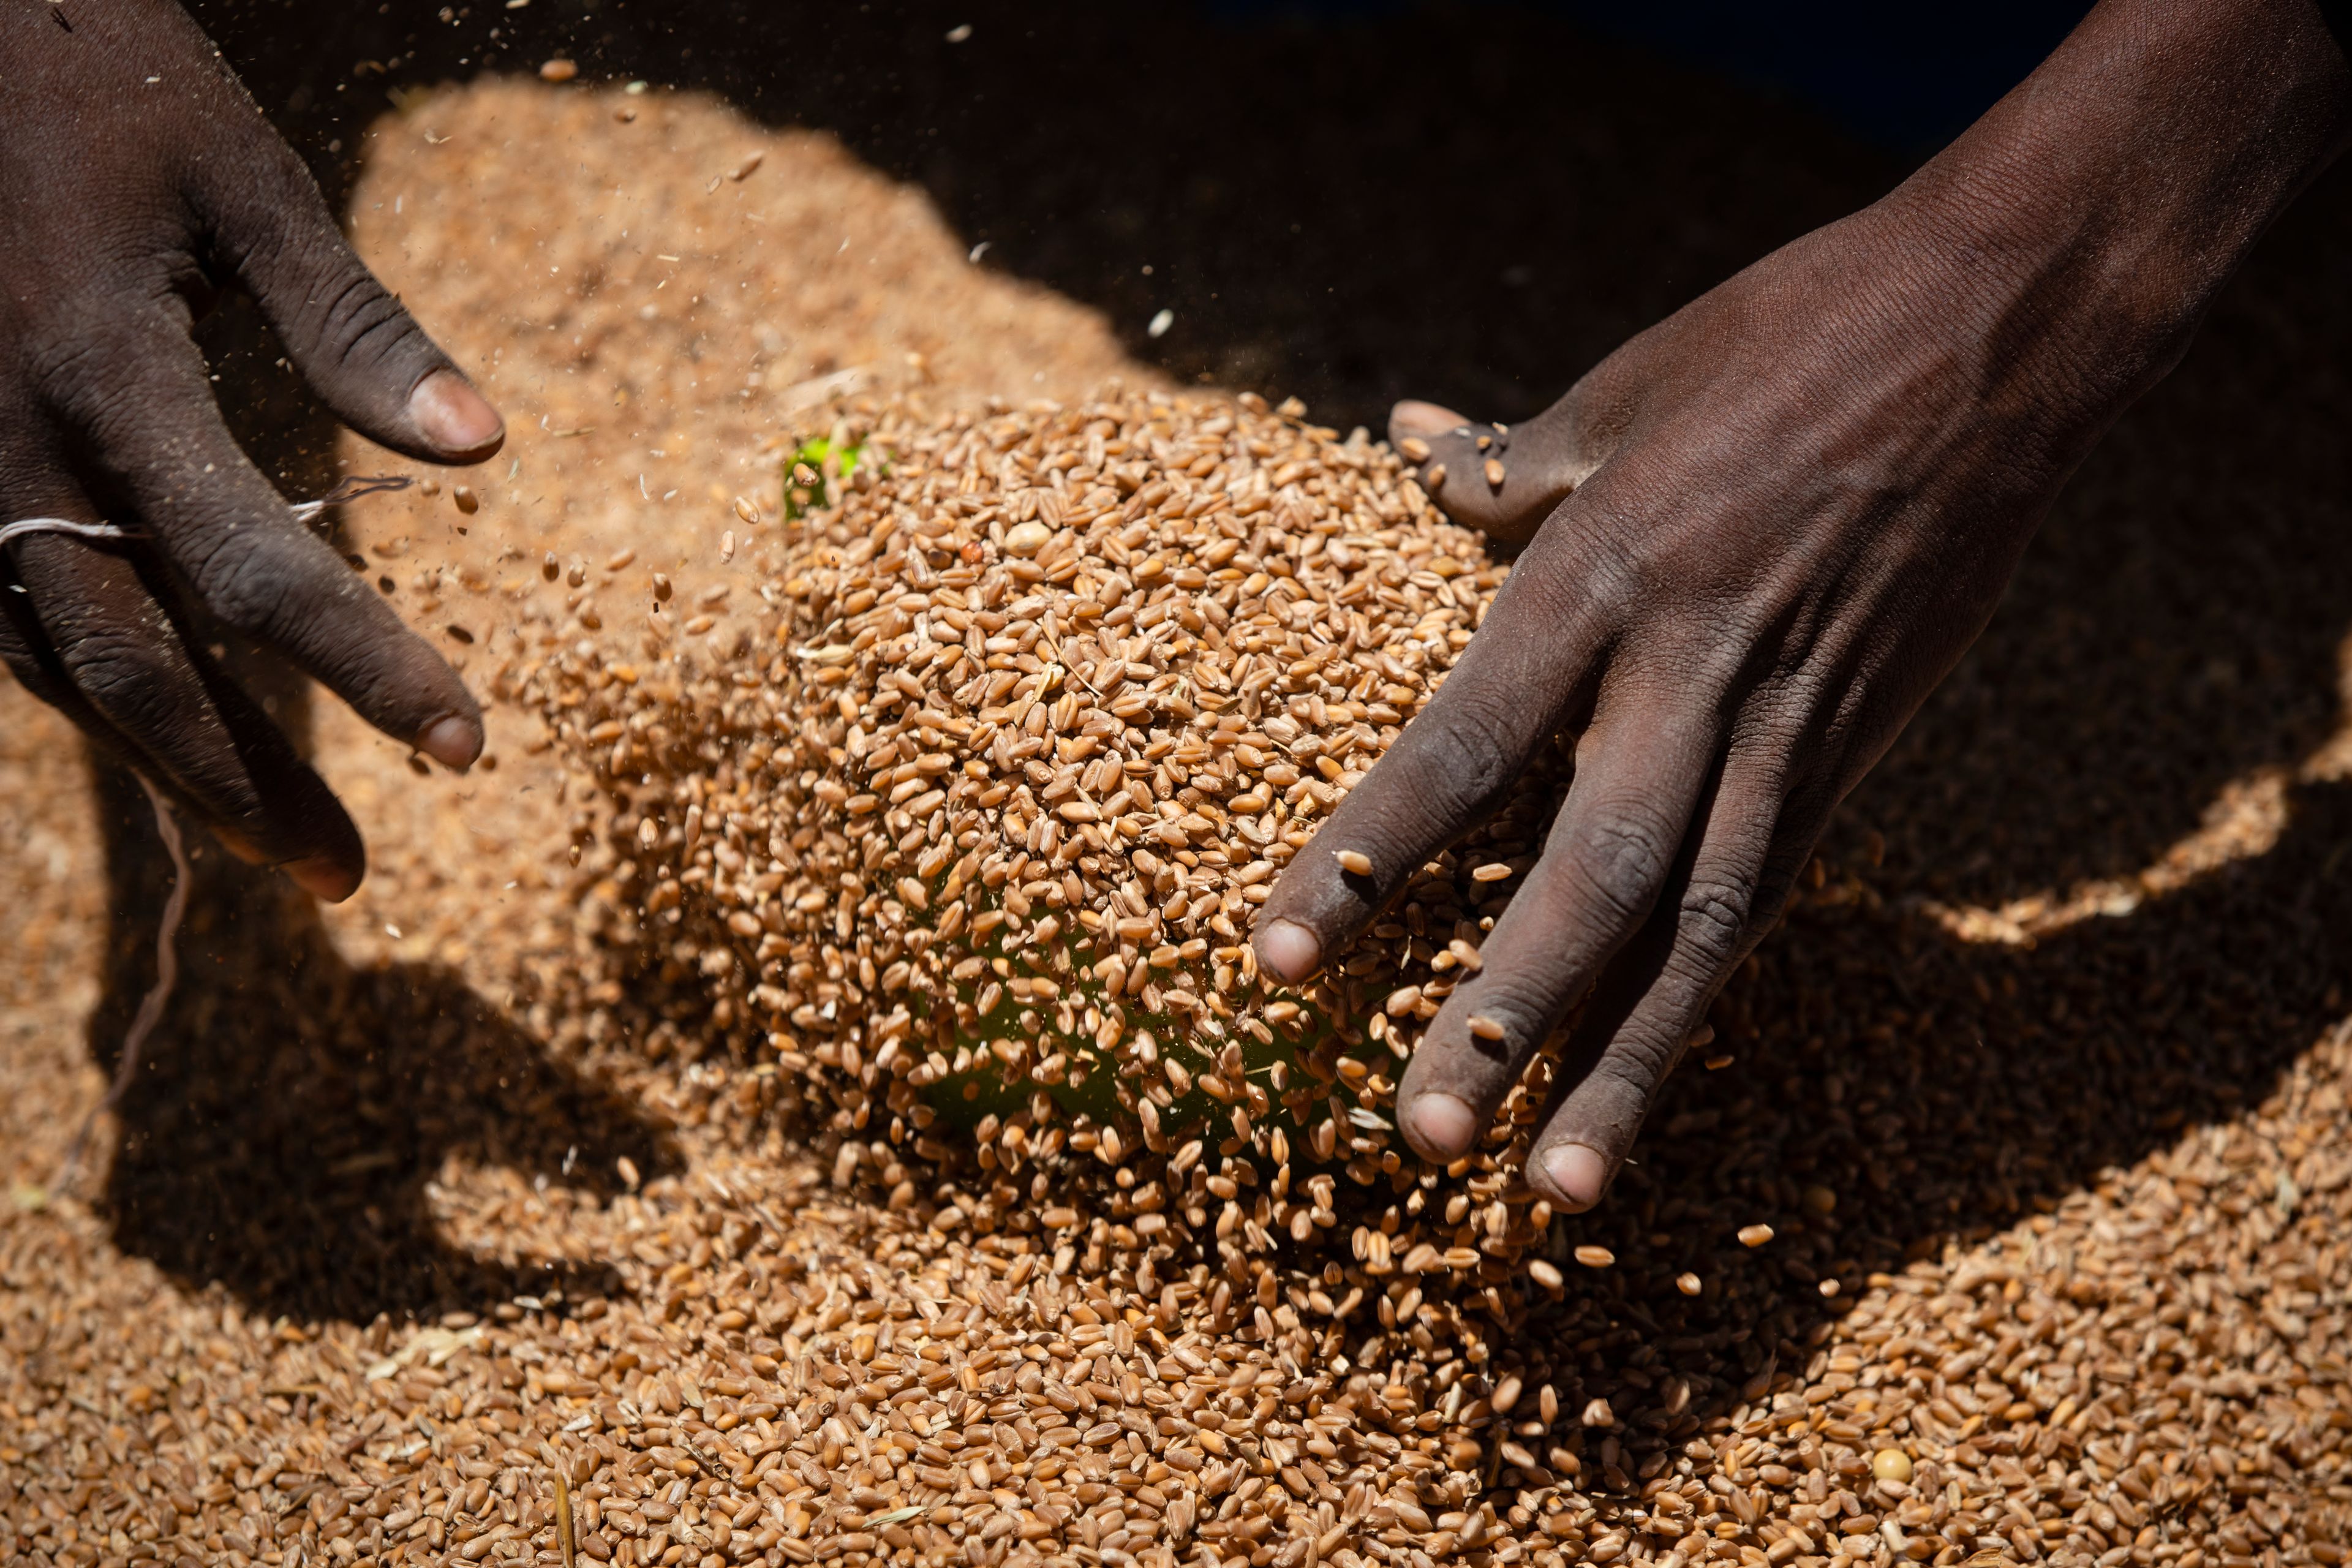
1761 532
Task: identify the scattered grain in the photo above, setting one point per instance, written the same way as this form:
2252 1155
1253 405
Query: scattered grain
2129 1363
1062 690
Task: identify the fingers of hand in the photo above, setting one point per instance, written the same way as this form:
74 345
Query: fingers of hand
1443 777
1656 996
1526 674
162 445
286 586
108 655
1610 851
355 344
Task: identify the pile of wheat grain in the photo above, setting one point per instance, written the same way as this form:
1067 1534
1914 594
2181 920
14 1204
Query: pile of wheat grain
977 825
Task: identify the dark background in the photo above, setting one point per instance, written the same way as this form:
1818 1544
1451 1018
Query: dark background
1349 200
1907 77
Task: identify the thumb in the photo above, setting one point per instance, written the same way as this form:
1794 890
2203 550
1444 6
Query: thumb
352 340
1504 479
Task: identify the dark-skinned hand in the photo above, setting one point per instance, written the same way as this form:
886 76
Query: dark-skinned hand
1758 534
138 180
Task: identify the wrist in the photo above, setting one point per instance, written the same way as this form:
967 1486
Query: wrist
2091 216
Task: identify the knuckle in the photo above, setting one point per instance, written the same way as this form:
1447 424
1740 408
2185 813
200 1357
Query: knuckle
1614 1100
359 319
1635 1064
227 577
248 578
264 205
1466 750
1622 851
1611 572
1574 583
63 368
131 679
86 370
1714 918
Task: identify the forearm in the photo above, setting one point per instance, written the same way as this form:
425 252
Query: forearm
2108 198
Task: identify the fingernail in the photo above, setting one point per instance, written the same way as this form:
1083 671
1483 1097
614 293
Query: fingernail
1578 1176
1414 417
451 414
453 742
1440 1126
322 878
1289 950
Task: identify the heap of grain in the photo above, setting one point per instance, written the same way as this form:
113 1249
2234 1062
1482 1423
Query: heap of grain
1047 699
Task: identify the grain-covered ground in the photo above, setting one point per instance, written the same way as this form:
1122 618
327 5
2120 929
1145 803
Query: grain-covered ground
415 1244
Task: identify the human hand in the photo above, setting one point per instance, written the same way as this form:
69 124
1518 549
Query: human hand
138 179
1760 533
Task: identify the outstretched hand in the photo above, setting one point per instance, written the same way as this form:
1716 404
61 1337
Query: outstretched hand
1758 534
138 179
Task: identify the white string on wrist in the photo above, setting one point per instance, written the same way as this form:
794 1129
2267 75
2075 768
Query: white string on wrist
349 488
26 525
